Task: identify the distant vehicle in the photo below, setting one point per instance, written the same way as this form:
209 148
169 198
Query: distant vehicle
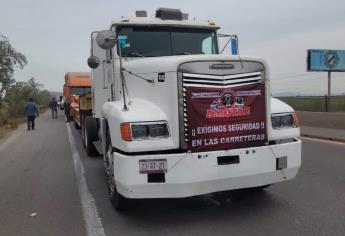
60 102
161 113
76 83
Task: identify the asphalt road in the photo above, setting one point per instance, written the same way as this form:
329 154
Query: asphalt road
37 176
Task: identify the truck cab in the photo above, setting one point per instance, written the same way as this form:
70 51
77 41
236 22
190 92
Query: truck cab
76 83
176 118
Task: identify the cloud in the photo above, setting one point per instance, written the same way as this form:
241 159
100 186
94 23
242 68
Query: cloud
287 57
54 35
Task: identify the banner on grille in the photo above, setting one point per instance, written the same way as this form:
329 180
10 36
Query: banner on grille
226 118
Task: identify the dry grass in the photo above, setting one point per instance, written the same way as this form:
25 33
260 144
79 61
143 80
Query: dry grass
12 124
3 132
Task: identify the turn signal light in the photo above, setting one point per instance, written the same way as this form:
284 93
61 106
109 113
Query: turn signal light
296 119
126 133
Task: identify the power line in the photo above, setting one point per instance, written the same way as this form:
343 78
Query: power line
298 76
293 76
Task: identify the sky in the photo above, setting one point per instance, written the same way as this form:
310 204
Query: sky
55 35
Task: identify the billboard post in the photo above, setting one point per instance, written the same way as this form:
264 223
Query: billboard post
329 85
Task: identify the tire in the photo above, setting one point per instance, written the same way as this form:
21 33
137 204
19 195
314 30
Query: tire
82 124
91 135
76 126
118 201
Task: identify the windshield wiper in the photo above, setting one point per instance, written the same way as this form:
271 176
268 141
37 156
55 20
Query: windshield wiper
183 53
134 54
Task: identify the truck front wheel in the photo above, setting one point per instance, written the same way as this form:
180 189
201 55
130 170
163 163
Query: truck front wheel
118 201
90 135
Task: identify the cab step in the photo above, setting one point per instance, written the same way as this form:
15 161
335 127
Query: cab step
98 146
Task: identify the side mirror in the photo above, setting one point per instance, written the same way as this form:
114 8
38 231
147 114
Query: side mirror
93 62
106 39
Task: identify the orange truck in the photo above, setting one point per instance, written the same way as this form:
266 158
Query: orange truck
76 84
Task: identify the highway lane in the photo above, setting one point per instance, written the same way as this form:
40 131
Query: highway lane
37 175
311 204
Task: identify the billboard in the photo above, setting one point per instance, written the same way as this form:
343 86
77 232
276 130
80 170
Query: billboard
325 60
226 118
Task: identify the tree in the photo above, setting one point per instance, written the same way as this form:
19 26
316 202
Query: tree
15 98
44 97
10 59
17 94
34 87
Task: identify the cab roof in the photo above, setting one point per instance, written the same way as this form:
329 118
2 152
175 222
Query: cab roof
155 21
78 79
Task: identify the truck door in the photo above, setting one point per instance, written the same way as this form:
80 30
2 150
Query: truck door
102 78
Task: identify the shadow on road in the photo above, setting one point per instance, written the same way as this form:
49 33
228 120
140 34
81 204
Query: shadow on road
208 208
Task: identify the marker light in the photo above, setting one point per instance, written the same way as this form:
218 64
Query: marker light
295 117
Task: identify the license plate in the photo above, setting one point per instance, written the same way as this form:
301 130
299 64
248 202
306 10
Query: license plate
153 166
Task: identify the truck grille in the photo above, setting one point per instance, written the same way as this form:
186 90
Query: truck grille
219 81
201 74
214 81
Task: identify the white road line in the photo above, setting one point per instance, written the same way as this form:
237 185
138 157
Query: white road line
93 222
323 140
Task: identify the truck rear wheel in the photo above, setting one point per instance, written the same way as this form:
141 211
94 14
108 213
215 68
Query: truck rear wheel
83 127
90 135
118 201
76 124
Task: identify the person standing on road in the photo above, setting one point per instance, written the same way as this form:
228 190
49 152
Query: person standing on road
31 111
53 107
67 107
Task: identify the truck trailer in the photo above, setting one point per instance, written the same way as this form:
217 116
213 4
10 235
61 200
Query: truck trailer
173 117
76 83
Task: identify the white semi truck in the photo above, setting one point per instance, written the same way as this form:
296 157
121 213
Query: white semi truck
174 118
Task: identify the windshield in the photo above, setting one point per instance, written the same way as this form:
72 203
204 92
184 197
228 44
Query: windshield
80 90
154 42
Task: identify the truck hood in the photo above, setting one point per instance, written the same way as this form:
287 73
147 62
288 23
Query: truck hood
165 100
277 106
149 65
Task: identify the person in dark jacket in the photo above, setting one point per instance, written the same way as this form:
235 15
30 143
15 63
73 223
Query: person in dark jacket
53 107
67 107
31 111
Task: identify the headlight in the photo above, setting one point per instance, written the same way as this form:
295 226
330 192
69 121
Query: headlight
139 131
144 130
158 130
284 120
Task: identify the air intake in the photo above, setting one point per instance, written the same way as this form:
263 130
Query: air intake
141 13
169 14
